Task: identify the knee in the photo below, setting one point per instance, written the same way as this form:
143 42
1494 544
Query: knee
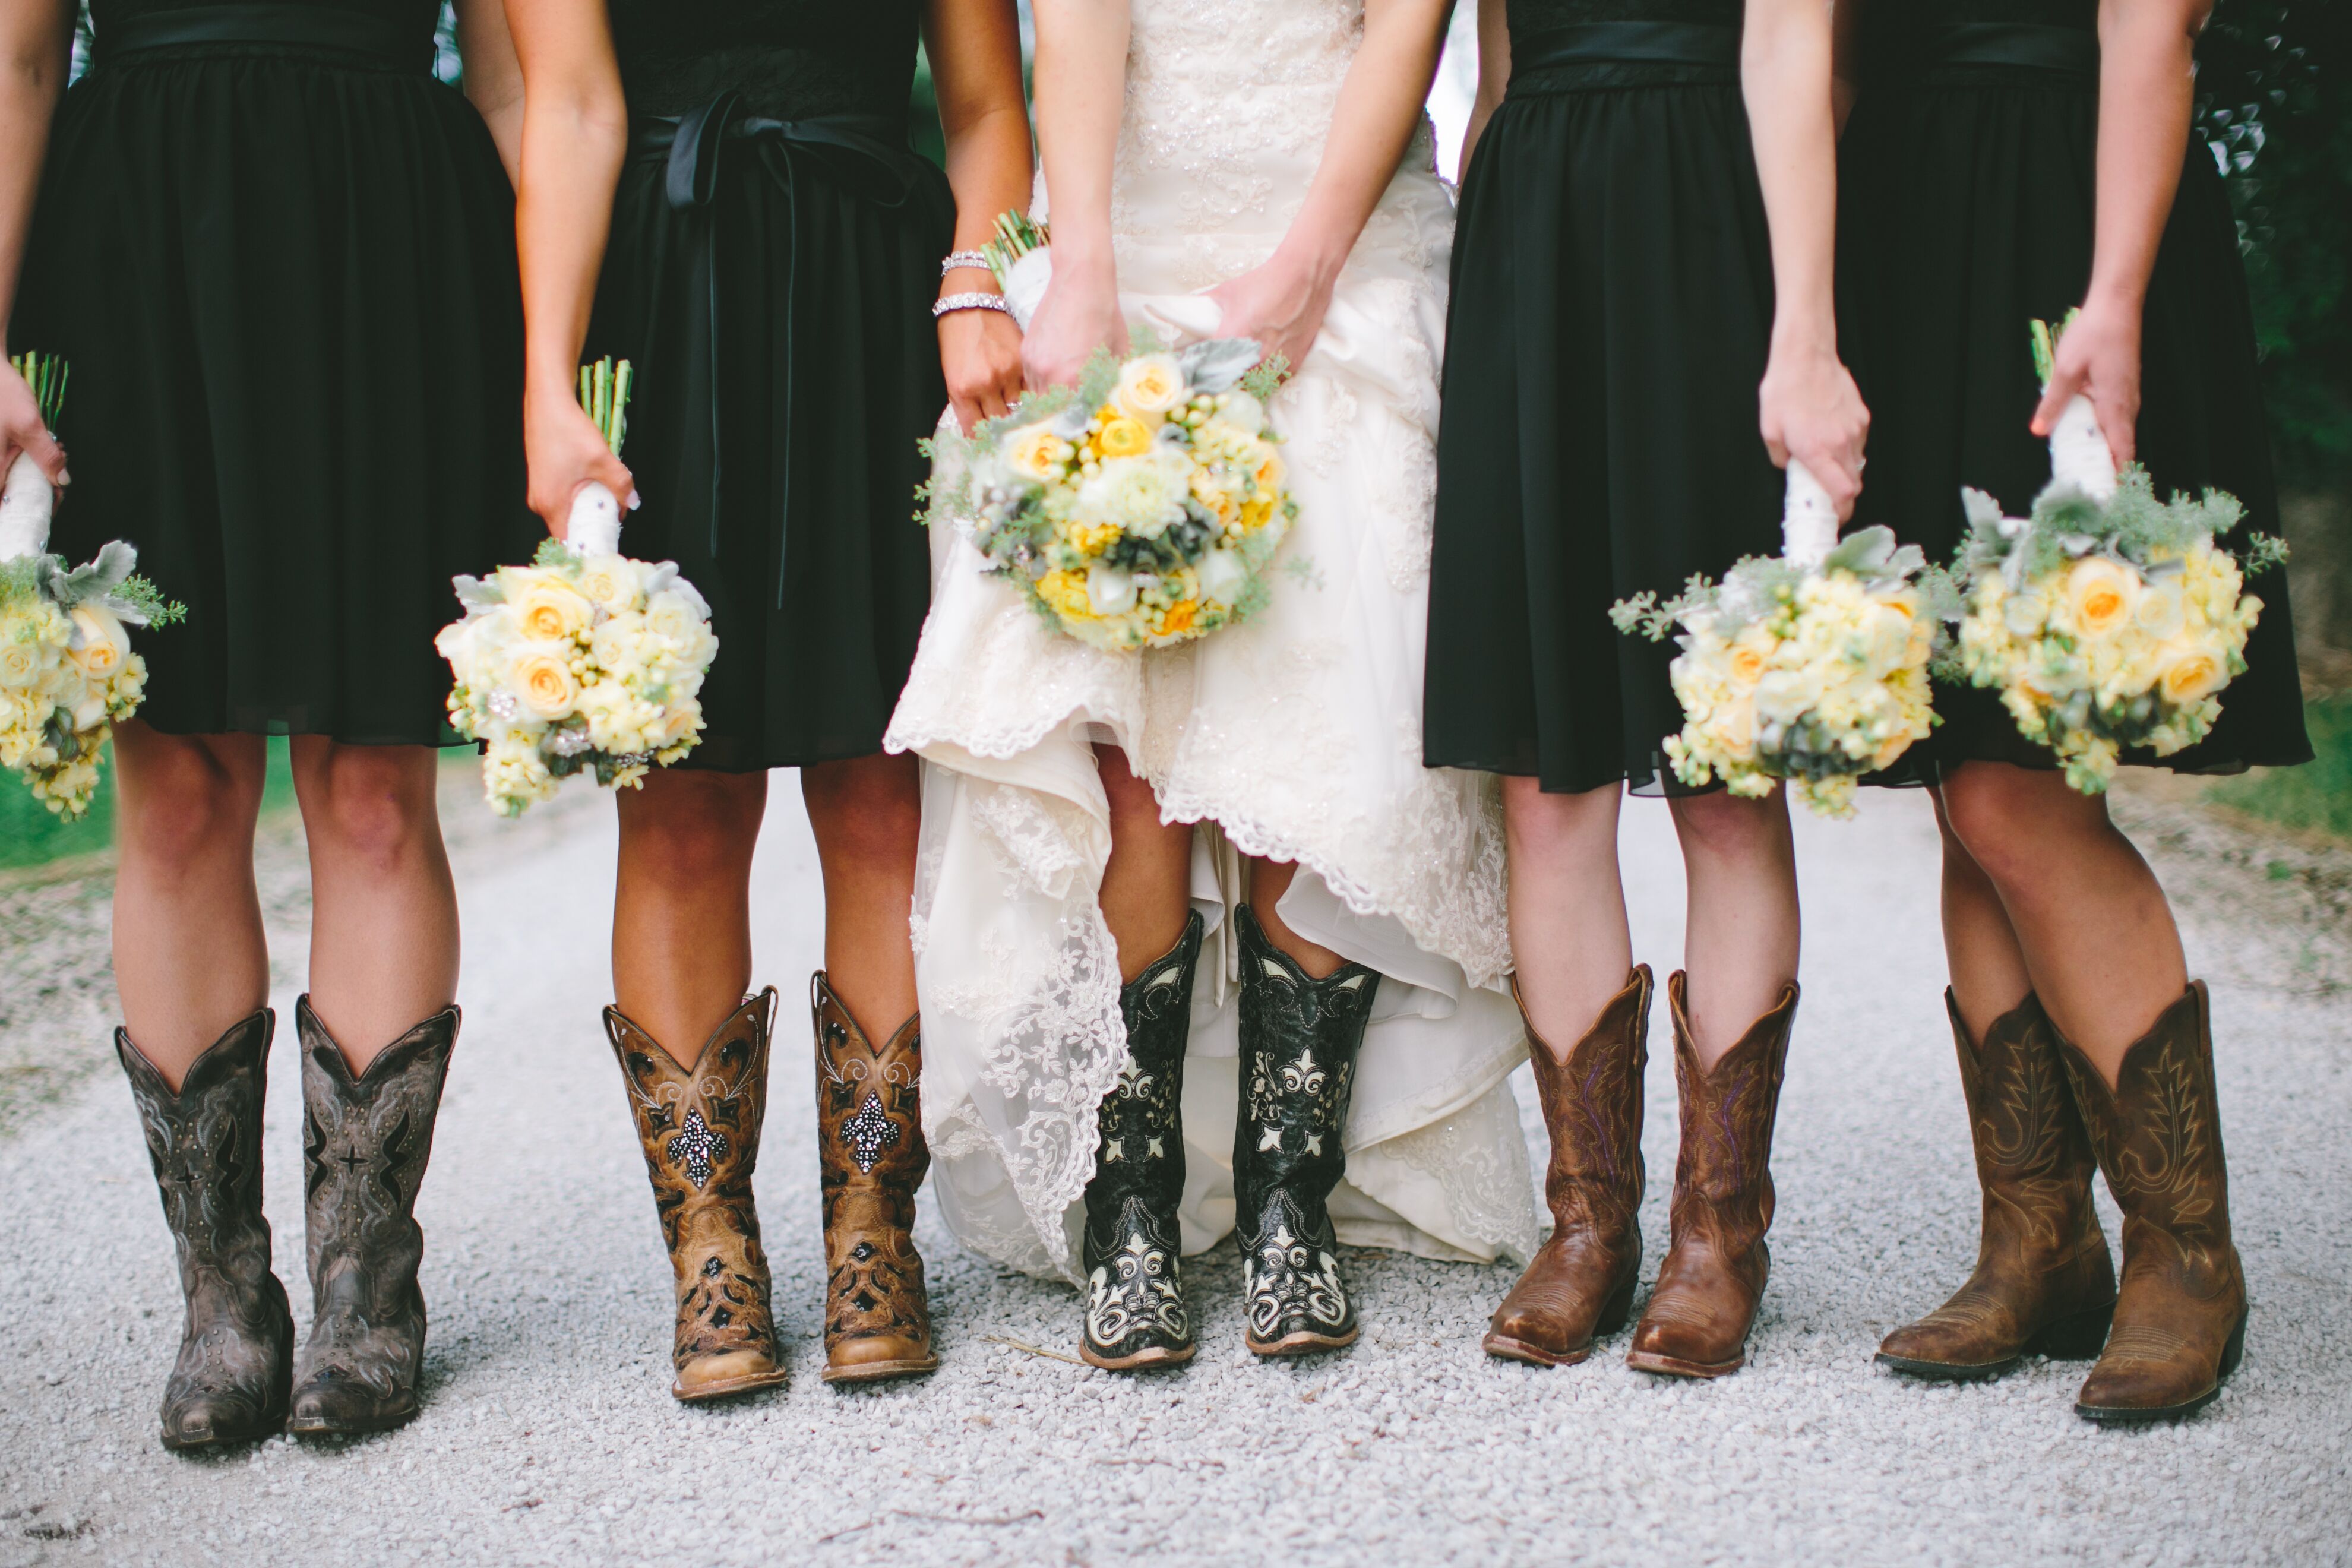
693 826
186 804
1731 829
1133 802
2010 821
372 805
1554 827
866 808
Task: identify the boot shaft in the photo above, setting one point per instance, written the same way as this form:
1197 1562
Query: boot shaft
204 1143
2033 1156
365 1144
1723 1174
1592 1110
1139 1149
1299 1040
699 1126
869 1114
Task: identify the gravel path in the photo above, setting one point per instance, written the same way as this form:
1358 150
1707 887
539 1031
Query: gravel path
548 1435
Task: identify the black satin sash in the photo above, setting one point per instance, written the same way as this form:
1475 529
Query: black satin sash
367 38
2071 53
1629 43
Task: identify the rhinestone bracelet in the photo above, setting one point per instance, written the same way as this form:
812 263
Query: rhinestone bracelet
971 303
955 259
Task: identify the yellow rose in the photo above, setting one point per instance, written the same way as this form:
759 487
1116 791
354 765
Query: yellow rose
1123 438
22 660
1149 386
2100 596
1096 540
1065 592
2190 675
1270 472
540 678
550 611
1037 451
101 645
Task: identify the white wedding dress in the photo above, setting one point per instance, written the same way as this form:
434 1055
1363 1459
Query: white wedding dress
1295 736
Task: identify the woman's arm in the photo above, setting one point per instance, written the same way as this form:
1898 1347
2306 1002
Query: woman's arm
1081 95
974 47
35 52
1494 76
1281 304
2147 86
1845 73
575 132
1808 407
493 76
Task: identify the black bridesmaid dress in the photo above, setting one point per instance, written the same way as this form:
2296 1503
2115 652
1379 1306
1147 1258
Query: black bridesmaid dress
1966 202
1611 317
278 256
774 255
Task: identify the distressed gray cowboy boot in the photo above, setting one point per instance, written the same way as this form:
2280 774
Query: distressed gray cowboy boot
1135 1288
1299 1040
365 1142
698 1128
236 1341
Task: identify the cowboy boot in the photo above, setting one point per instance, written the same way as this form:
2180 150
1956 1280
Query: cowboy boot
1299 1040
231 1381
1697 1318
2180 1318
870 1158
365 1142
699 1129
1135 1288
1579 1284
2043 1283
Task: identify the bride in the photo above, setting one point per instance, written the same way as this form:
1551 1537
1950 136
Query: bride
1201 943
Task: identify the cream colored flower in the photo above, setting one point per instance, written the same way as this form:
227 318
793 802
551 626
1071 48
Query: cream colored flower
22 662
2161 612
2100 596
1037 452
1149 386
101 646
539 675
611 583
2189 674
551 611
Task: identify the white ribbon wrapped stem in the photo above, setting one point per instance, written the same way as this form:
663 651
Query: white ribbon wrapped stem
2079 454
1809 519
1024 283
27 502
594 525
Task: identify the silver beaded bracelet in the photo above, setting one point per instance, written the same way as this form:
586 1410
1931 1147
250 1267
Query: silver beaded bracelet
955 259
971 303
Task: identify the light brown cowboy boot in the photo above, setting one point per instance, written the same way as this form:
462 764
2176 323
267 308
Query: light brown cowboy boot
1579 1284
2043 1283
2180 1318
701 1130
1697 1318
870 1157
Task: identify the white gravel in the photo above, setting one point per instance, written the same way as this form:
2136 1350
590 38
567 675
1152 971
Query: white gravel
548 1434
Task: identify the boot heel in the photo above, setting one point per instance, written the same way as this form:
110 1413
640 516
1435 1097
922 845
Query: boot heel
2077 1338
1618 1310
2235 1351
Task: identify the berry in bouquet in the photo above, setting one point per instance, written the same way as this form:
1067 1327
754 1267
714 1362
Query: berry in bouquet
2106 618
1809 669
67 673
1140 507
583 661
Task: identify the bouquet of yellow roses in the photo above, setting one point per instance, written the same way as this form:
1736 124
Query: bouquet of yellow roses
584 661
67 673
1811 667
1139 509
2107 618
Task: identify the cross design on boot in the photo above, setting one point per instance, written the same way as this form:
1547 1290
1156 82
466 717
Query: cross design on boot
869 1133
696 1147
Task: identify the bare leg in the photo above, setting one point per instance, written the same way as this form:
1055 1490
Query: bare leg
189 958
1989 974
384 912
1569 929
867 814
1147 885
1739 934
682 903
1269 880
2089 916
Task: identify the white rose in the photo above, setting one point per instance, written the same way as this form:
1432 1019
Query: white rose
1243 411
2161 611
1149 386
1223 576
1109 591
100 646
1784 696
23 661
611 583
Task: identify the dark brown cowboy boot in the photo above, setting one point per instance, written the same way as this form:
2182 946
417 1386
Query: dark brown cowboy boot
1579 1284
1697 1318
234 1370
870 1158
699 1129
365 1142
2180 1319
2043 1283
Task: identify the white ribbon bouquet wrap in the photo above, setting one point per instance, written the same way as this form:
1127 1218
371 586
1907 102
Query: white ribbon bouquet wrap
1810 667
584 661
2106 618
67 673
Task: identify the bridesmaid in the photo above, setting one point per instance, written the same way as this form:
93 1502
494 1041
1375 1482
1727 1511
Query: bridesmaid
772 257
1642 258
2008 160
278 258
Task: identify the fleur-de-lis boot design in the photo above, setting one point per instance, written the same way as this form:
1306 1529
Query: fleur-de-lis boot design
365 1142
235 1371
2181 1317
699 1129
871 1157
1135 1288
1697 1321
2043 1283
1579 1284
1299 1037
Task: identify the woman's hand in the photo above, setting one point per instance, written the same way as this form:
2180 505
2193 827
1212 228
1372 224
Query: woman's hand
22 429
980 352
2098 357
1811 413
565 451
1280 306
1078 315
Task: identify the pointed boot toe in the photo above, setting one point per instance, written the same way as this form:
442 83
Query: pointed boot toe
875 1357
724 1374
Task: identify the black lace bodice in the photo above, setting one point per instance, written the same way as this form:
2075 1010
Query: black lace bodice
788 58
1529 17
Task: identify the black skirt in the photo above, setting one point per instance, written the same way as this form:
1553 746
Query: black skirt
283 275
774 298
1966 208
1611 316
